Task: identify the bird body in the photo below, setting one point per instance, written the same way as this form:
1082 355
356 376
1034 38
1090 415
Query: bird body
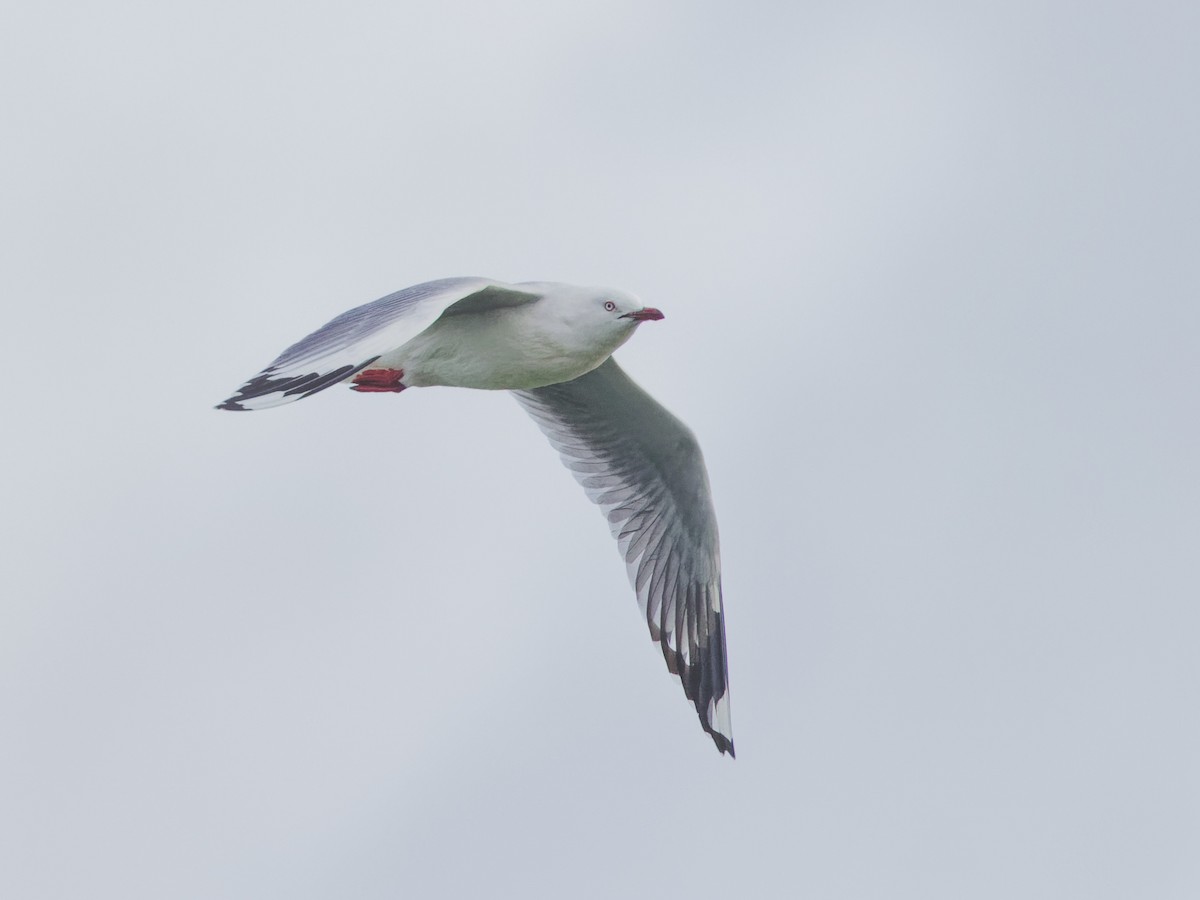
551 345
530 345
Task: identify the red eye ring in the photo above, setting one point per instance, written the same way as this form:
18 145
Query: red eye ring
609 306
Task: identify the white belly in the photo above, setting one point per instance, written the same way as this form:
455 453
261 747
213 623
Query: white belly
498 350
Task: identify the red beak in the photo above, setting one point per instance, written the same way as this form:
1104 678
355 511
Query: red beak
647 314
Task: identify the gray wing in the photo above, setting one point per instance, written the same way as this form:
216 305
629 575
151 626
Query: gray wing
644 469
358 337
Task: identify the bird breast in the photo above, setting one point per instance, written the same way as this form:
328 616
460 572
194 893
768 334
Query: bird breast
500 349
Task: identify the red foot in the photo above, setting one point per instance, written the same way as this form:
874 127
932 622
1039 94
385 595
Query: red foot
378 381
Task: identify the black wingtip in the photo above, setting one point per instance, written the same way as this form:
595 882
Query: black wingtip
724 744
288 387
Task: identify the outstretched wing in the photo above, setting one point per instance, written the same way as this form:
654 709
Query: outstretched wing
358 337
644 468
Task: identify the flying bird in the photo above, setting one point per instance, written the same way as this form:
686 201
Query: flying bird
551 345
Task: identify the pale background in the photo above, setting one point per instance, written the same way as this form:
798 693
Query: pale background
931 274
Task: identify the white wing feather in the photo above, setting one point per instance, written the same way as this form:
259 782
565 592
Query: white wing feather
644 469
358 337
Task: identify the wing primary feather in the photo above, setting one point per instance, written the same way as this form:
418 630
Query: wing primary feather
644 469
324 381
263 386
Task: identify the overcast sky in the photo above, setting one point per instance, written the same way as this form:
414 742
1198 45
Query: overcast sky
932 295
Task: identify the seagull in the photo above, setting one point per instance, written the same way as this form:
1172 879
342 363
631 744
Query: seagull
551 345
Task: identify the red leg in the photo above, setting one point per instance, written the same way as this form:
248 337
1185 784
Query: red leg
378 381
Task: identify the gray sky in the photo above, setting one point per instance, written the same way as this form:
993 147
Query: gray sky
933 309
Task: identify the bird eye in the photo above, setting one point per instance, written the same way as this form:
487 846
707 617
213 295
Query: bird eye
609 306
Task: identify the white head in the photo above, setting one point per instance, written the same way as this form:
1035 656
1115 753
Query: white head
602 319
